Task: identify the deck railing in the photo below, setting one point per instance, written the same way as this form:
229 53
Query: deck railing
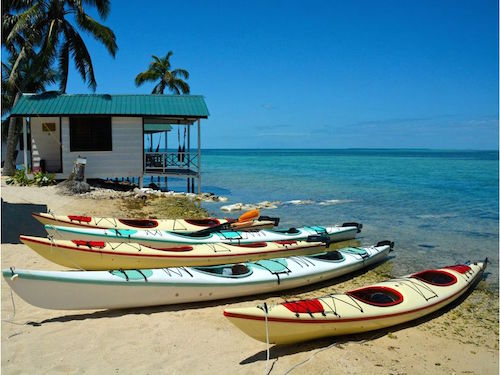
165 162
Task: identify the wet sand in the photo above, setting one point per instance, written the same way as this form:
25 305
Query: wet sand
196 338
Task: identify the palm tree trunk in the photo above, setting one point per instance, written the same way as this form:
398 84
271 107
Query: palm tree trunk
13 70
10 166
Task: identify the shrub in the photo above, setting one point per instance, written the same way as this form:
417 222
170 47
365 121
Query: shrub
39 179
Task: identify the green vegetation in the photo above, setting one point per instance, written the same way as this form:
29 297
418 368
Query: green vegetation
159 69
39 179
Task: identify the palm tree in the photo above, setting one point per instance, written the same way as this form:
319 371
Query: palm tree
46 22
159 69
33 78
42 28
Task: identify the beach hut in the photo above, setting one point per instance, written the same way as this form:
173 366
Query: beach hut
114 134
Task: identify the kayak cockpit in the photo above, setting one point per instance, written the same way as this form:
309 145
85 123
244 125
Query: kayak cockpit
436 277
139 223
229 271
377 296
329 256
208 222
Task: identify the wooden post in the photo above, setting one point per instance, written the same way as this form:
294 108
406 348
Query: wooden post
189 147
199 158
166 159
25 143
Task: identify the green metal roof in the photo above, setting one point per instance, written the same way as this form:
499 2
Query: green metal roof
152 128
55 104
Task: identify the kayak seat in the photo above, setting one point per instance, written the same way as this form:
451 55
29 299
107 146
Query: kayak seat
233 272
377 296
330 256
436 277
239 269
208 222
139 223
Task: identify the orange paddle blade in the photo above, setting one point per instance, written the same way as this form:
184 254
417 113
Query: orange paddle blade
249 215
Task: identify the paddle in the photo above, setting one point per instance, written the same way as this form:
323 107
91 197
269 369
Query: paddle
245 217
249 215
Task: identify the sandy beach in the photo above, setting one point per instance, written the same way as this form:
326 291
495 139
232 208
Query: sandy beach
196 338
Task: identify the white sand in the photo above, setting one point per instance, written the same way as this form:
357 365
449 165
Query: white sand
196 338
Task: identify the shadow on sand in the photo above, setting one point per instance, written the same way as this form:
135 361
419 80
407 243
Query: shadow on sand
17 219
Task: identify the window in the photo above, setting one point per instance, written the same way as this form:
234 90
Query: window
90 134
48 127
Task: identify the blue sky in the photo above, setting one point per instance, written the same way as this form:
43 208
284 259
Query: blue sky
319 74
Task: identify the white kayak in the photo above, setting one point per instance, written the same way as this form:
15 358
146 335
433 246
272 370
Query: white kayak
370 308
154 238
76 290
247 221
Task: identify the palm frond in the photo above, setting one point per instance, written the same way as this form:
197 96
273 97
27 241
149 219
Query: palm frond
23 22
146 76
180 72
103 7
184 87
63 66
100 32
80 55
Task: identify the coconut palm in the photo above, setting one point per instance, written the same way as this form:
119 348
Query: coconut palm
47 22
33 78
42 28
159 70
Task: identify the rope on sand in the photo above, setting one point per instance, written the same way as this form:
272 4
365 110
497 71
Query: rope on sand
10 320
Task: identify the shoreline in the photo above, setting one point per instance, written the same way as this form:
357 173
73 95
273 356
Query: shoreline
461 339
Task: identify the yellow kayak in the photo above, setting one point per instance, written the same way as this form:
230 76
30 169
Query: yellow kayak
248 221
100 255
370 308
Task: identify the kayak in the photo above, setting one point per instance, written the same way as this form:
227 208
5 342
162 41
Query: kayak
100 255
370 308
77 290
174 225
159 238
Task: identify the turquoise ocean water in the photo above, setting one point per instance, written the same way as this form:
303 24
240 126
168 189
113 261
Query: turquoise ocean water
439 207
